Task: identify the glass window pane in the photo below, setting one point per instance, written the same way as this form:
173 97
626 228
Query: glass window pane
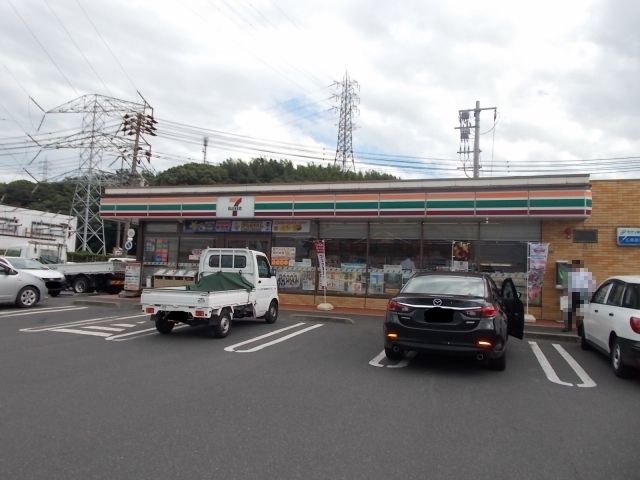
446 285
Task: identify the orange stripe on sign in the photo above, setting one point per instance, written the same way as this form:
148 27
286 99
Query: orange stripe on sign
503 194
403 196
358 196
558 193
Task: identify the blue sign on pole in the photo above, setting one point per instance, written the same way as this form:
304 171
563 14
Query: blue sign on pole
628 237
128 245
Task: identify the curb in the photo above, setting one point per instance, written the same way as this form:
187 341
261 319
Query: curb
322 318
106 303
561 337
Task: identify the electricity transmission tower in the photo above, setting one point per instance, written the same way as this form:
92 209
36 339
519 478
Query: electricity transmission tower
348 105
103 131
465 132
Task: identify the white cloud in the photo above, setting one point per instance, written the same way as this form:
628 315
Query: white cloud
562 74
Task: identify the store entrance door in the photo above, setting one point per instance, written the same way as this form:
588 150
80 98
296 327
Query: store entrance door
261 243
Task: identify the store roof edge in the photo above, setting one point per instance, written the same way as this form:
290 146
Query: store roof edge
549 181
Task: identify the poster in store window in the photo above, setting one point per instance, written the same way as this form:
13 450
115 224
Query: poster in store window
460 254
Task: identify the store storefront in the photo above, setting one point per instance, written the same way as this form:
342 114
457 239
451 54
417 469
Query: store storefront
376 234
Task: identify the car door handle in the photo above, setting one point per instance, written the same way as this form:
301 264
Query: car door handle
595 311
611 314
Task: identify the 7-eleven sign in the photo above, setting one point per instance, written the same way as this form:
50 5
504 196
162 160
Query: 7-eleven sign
235 207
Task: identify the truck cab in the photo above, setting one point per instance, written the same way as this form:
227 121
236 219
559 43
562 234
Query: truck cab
253 266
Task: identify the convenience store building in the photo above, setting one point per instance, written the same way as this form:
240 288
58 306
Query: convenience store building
371 228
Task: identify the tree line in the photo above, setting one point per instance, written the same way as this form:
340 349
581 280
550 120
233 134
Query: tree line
56 197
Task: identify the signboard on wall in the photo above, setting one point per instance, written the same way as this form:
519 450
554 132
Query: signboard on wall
291 226
235 207
283 256
251 227
132 272
628 236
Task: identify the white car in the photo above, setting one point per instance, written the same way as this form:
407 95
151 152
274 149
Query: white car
21 288
54 280
611 323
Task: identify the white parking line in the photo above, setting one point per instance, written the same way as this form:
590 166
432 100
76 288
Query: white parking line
126 325
546 366
138 334
105 329
77 323
81 332
375 362
16 313
232 348
587 382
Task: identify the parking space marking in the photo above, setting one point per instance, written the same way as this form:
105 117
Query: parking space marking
81 332
125 325
546 366
587 381
232 348
123 337
104 329
375 362
35 311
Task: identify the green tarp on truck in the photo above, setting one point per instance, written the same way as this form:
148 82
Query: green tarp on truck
222 281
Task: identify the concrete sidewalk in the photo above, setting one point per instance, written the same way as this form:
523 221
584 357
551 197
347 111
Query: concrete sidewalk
543 329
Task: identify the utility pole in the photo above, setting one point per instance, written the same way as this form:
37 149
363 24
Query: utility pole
349 101
137 124
465 131
205 142
94 139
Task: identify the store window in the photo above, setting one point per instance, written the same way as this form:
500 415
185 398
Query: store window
346 257
394 255
192 247
293 257
437 255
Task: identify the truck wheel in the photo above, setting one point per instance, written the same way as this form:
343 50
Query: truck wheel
27 297
221 329
80 284
272 314
163 325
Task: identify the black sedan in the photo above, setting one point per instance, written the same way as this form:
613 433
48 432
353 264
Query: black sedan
458 313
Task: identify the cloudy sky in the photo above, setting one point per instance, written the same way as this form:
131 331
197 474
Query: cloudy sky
258 77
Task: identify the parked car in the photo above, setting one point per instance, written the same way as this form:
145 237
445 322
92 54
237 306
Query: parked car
54 280
20 287
456 313
611 323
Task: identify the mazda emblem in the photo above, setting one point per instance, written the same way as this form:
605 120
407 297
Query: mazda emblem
437 302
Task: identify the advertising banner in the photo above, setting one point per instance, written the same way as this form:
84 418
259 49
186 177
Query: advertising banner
322 262
283 256
460 253
132 272
537 260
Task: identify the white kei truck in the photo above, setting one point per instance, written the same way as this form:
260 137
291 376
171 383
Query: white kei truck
232 283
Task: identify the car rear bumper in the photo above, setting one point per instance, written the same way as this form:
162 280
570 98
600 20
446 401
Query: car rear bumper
452 343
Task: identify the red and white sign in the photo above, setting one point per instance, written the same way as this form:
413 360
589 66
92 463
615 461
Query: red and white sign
322 261
235 207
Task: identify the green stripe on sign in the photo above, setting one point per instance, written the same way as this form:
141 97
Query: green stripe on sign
501 203
356 205
402 204
558 202
314 206
274 206
162 208
456 204
107 208
199 207
132 208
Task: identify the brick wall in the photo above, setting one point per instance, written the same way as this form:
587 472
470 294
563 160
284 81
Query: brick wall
616 203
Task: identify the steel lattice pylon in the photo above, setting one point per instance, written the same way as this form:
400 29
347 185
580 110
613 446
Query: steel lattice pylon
349 101
94 139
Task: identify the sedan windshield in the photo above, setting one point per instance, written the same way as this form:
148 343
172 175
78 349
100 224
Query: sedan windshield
446 285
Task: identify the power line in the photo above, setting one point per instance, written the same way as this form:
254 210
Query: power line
77 47
107 45
42 47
